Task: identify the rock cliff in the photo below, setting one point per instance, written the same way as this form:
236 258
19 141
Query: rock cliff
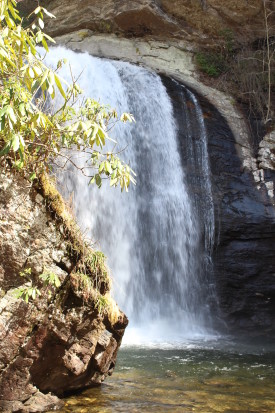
66 339
199 21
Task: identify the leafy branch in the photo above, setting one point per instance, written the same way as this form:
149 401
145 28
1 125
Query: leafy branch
32 139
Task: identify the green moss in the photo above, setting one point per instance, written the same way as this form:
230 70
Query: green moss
83 34
86 261
104 26
103 303
53 198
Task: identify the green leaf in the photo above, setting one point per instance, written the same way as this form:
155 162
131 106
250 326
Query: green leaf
37 70
19 163
108 167
35 85
11 114
21 109
49 38
101 167
6 149
48 13
98 180
3 110
31 45
58 84
127 117
15 142
32 177
51 78
45 45
57 281
44 77
37 10
39 37
113 182
41 23
31 72
2 123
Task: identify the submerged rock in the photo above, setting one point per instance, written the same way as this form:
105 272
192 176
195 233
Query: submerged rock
64 340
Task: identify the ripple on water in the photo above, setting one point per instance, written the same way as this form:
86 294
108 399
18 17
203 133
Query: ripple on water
194 378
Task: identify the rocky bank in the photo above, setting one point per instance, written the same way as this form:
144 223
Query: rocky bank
66 339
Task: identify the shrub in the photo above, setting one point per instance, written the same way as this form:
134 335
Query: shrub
213 64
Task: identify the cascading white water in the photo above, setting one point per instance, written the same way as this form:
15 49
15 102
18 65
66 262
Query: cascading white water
151 236
202 158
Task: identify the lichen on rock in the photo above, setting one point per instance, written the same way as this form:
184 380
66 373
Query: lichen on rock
63 341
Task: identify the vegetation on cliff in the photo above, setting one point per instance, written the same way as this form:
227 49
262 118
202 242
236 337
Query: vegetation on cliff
245 68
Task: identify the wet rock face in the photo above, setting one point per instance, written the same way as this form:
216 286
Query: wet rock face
244 259
48 346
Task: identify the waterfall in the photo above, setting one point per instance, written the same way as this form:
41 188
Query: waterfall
152 235
194 152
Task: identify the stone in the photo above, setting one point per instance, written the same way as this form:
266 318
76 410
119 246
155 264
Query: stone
40 402
47 348
266 153
200 22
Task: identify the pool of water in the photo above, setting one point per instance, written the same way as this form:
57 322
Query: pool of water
188 377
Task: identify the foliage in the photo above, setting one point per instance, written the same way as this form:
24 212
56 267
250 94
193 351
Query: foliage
254 71
96 264
25 273
92 264
32 138
211 63
228 38
50 278
248 72
253 84
101 303
28 290
104 303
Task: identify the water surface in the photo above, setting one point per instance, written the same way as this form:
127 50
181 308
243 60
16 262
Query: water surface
191 377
